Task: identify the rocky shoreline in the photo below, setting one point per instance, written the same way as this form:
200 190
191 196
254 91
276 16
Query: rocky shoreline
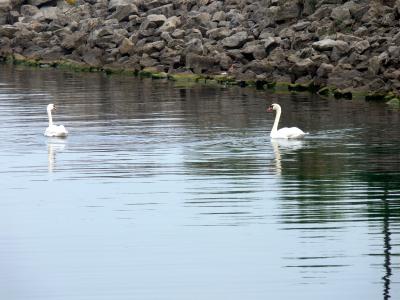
328 46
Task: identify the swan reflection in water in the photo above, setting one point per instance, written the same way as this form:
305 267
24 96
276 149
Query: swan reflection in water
279 145
53 147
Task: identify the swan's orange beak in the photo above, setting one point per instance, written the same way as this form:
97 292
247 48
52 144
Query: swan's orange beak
54 108
269 109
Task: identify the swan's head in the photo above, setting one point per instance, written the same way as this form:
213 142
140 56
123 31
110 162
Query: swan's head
51 107
273 106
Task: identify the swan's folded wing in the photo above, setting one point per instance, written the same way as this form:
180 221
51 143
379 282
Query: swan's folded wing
290 133
55 130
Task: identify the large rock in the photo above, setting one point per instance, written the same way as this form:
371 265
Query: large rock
8 31
113 4
361 46
288 10
200 63
122 12
156 19
29 10
153 47
49 13
38 2
324 70
340 13
126 46
344 76
254 50
195 46
170 24
93 56
236 40
73 40
218 33
328 44
166 10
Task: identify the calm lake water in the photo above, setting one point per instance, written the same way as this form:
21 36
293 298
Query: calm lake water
170 191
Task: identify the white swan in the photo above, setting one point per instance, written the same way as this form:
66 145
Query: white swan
283 133
54 130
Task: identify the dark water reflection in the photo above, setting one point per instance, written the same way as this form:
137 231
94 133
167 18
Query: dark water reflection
172 191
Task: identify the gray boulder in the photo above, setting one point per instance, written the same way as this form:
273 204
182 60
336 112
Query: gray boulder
200 63
38 2
170 24
122 12
8 31
328 44
236 40
340 13
126 46
361 46
218 33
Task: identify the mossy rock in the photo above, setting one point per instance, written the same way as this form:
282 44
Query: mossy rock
298 87
261 84
325 91
185 77
394 102
225 79
152 73
252 83
18 59
270 85
343 94
303 87
375 97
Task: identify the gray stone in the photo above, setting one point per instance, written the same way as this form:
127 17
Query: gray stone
166 10
254 49
328 44
49 12
29 10
219 16
8 31
156 19
93 57
340 13
195 45
200 63
374 65
126 46
324 70
287 10
170 24
343 76
153 47
236 40
178 33
38 2
113 4
73 40
147 61
301 25
361 46
218 33
122 12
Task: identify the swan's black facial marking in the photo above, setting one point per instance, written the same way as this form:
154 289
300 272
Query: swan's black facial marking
270 108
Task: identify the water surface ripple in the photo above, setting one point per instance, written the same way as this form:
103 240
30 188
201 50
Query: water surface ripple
175 191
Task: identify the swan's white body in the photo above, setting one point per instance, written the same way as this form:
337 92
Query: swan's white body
286 132
54 130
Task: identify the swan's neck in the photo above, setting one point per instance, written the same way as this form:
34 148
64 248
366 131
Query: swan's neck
276 122
50 117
